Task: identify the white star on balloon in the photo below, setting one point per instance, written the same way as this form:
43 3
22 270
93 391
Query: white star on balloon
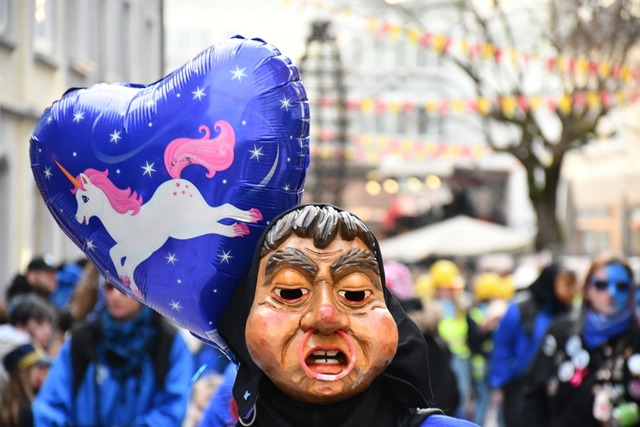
90 246
78 116
238 74
148 168
49 119
256 153
115 136
285 103
286 187
171 259
175 305
225 257
47 173
198 94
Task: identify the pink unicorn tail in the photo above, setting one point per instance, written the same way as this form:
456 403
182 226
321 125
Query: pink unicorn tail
214 154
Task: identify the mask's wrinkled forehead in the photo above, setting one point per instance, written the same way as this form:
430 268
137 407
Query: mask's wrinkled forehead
320 223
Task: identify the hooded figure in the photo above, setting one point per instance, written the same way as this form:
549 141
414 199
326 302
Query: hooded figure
318 338
520 333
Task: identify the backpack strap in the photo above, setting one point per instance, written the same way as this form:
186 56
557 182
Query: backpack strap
528 312
160 348
83 350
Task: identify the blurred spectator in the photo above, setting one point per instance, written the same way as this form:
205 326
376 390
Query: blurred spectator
453 326
67 276
127 366
490 292
218 412
34 316
40 278
399 280
86 297
520 333
587 371
210 363
10 338
27 368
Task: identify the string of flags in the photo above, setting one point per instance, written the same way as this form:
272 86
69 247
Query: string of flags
447 45
370 148
509 105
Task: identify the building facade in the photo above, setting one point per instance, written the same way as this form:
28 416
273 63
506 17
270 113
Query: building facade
46 47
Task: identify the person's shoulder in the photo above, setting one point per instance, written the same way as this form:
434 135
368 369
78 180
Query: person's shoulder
446 421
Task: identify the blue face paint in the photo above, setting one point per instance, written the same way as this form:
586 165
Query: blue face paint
617 274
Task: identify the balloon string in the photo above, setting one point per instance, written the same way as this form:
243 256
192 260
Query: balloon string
199 372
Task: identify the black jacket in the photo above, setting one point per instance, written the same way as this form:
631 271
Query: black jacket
560 393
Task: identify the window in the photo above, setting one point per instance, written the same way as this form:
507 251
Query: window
595 242
6 19
44 28
45 226
5 217
82 34
124 70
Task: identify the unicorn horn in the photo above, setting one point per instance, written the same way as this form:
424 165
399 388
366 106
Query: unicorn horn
68 175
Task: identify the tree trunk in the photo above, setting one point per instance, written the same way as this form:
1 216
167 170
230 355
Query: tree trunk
544 200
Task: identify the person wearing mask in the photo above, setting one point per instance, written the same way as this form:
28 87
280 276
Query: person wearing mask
587 371
27 368
318 337
126 366
520 332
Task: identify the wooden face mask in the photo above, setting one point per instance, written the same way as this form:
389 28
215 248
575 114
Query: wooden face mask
319 327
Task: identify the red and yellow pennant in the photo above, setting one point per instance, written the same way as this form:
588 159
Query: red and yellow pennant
445 45
370 148
509 105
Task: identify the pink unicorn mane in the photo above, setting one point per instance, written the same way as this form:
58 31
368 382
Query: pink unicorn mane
122 201
214 154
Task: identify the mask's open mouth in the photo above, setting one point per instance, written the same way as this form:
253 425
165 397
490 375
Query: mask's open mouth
327 362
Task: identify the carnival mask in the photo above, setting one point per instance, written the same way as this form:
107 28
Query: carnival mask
319 326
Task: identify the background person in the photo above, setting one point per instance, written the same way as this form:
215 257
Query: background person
587 372
127 366
520 332
27 368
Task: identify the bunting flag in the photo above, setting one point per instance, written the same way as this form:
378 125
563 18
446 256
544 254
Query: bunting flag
446 45
369 148
509 105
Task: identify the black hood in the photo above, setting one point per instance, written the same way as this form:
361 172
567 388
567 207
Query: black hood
407 376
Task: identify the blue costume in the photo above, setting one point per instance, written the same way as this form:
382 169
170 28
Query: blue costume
519 335
114 390
513 349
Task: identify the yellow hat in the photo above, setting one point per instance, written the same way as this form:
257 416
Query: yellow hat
445 274
487 286
508 288
424 285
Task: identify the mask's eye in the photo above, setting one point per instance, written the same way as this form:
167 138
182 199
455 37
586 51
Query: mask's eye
290 295
355 296
85 199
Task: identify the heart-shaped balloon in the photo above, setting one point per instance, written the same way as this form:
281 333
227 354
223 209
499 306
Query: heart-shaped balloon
167 188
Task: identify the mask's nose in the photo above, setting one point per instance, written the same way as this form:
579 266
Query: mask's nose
323 313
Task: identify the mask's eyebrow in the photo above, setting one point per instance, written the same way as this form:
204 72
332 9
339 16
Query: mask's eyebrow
291 256
360 258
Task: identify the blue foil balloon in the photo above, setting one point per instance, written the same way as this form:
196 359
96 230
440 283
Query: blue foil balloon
167 188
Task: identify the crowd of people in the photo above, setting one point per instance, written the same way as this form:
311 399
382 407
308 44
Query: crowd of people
564 350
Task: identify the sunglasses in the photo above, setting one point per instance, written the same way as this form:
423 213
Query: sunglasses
603 285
